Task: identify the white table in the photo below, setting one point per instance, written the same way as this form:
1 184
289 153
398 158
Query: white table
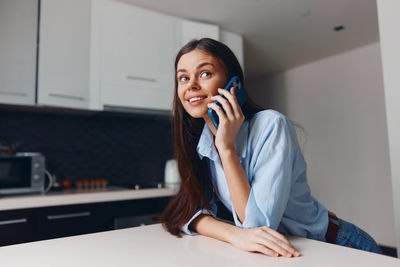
152 246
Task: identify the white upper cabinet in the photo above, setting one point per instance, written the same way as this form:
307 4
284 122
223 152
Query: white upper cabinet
18 31
63 77
108 54
135 49
188 30
94 54
235 43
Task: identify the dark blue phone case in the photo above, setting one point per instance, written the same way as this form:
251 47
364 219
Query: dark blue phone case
240 96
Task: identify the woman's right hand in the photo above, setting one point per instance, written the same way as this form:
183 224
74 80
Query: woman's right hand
264 240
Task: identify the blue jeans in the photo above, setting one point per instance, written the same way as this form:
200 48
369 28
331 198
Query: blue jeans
349 235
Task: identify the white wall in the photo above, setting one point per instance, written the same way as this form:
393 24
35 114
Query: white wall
389 21
340 103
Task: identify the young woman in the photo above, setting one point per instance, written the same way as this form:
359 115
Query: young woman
252 164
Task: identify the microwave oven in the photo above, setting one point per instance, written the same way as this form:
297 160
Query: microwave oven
22 173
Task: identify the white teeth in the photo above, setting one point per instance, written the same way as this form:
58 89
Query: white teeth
195 99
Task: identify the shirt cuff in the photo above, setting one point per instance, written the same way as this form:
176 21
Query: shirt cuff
253 215
185 227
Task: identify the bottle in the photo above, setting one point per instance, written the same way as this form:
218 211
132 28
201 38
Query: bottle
171 174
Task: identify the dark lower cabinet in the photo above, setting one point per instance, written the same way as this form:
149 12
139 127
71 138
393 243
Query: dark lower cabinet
65 221
20 226
17 226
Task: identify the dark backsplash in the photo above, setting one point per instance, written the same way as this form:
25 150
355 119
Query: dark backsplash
126 149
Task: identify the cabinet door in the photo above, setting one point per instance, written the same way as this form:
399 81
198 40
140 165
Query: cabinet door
63 78
235 43
136 49
18 31
17 226
136 212
72 220
189 30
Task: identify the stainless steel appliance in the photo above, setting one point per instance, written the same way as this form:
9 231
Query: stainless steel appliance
22 173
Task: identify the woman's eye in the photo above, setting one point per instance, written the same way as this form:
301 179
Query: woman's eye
183 79
205 74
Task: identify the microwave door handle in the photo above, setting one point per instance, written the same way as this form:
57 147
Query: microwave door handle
7 222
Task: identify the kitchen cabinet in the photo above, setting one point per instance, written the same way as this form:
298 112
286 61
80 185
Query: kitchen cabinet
63 63
17 226
18 31
235 43
94 54
26 225
188 30
107 54
54 222
135 51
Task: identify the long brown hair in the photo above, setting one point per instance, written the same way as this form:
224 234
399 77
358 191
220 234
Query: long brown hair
196 189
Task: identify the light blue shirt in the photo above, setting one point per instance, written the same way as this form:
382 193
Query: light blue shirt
280 197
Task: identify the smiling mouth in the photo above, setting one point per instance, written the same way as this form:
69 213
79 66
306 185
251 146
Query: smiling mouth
194 99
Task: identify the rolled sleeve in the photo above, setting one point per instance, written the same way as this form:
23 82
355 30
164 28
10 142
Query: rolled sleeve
212 212
272 176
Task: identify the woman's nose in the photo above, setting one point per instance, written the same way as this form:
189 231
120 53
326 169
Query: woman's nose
193 85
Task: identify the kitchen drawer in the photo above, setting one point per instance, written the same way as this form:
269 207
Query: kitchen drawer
136 207
17 226
55 222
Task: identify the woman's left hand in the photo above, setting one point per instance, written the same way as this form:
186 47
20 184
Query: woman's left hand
230 119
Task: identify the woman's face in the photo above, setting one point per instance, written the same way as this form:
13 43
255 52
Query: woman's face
199 75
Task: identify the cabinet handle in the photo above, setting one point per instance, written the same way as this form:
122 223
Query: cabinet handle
69 215
67 96
13 93
129 77
23 220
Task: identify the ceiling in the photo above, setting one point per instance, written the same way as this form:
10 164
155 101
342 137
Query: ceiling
281 34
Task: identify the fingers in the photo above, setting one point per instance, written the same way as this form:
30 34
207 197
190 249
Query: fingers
221 114
230 95
276 234
229 104
259 240
236 106
225 106
262 249
279 247
279 242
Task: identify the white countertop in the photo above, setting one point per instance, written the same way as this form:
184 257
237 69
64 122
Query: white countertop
81 197
152 246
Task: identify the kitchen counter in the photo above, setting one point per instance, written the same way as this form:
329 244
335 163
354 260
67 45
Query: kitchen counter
70 197
152 246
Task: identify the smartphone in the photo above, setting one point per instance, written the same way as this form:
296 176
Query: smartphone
240 96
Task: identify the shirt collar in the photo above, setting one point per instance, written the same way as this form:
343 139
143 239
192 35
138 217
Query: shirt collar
206 148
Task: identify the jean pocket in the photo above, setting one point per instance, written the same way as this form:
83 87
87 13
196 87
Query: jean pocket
364 235
343 231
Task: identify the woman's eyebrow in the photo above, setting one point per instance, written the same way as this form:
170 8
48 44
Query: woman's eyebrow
198 67
203 64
